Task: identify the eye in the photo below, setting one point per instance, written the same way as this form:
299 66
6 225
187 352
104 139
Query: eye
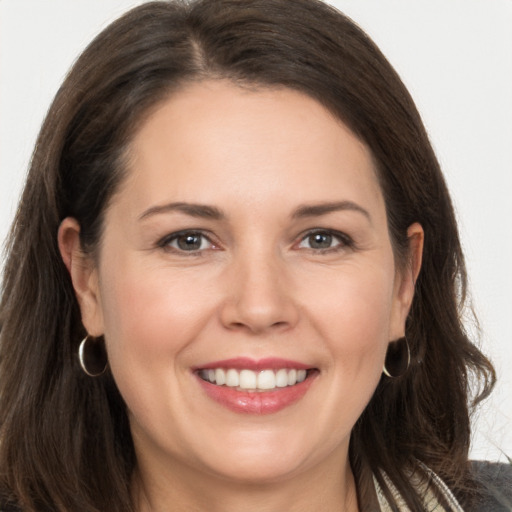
187 241
322 240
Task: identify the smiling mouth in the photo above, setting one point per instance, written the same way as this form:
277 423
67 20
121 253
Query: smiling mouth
255 381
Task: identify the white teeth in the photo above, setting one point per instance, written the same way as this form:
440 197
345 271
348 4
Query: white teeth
266 379
232 378
254 381
282 378
247 379
220 377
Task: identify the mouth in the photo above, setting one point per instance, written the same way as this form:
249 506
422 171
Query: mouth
257 387
254 381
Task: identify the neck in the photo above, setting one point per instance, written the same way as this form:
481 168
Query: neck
330 489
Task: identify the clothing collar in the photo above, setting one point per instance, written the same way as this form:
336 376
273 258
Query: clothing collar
425 488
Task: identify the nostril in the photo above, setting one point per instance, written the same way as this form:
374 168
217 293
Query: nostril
257 308
258 327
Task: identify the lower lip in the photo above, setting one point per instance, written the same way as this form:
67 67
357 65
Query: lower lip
257 402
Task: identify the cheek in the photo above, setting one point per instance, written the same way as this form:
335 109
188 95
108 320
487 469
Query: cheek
150 319
149 315
350 316
357 302
354 320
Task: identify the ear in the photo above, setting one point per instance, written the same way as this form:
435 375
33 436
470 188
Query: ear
84 275
405 282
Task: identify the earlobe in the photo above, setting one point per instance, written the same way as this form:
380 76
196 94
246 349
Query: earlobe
83 273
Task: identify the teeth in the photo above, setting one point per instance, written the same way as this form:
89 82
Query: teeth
254 381
232 379
266 379
220 377
282 378
248 379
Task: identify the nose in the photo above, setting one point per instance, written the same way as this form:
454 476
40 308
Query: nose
259 296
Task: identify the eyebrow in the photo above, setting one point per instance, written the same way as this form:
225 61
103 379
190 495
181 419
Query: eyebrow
214 213
317 210
192 209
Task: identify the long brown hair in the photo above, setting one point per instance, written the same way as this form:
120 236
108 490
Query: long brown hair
65 441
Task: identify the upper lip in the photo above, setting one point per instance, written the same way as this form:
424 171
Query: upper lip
246 363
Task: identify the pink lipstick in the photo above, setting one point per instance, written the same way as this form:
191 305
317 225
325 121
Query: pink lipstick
263 386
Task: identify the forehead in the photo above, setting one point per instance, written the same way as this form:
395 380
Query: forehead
215 141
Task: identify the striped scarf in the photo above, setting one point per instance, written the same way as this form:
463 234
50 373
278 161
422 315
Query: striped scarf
430 500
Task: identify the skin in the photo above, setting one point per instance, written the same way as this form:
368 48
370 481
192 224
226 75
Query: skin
258 287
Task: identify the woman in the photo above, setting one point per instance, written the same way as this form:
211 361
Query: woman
235 279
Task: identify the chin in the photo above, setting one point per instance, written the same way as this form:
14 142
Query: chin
258 471
266 459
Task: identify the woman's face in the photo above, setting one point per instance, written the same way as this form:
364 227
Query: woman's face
248 244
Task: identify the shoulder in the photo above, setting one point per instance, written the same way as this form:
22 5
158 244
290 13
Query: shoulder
495 480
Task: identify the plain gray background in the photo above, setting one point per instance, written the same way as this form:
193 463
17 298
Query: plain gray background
454 55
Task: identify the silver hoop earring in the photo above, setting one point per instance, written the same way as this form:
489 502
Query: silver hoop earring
398 358
92 357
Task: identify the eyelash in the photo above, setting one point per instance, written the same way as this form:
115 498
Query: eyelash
344 241
165 243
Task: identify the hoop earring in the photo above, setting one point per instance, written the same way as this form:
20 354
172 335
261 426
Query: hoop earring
92 357
398 358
